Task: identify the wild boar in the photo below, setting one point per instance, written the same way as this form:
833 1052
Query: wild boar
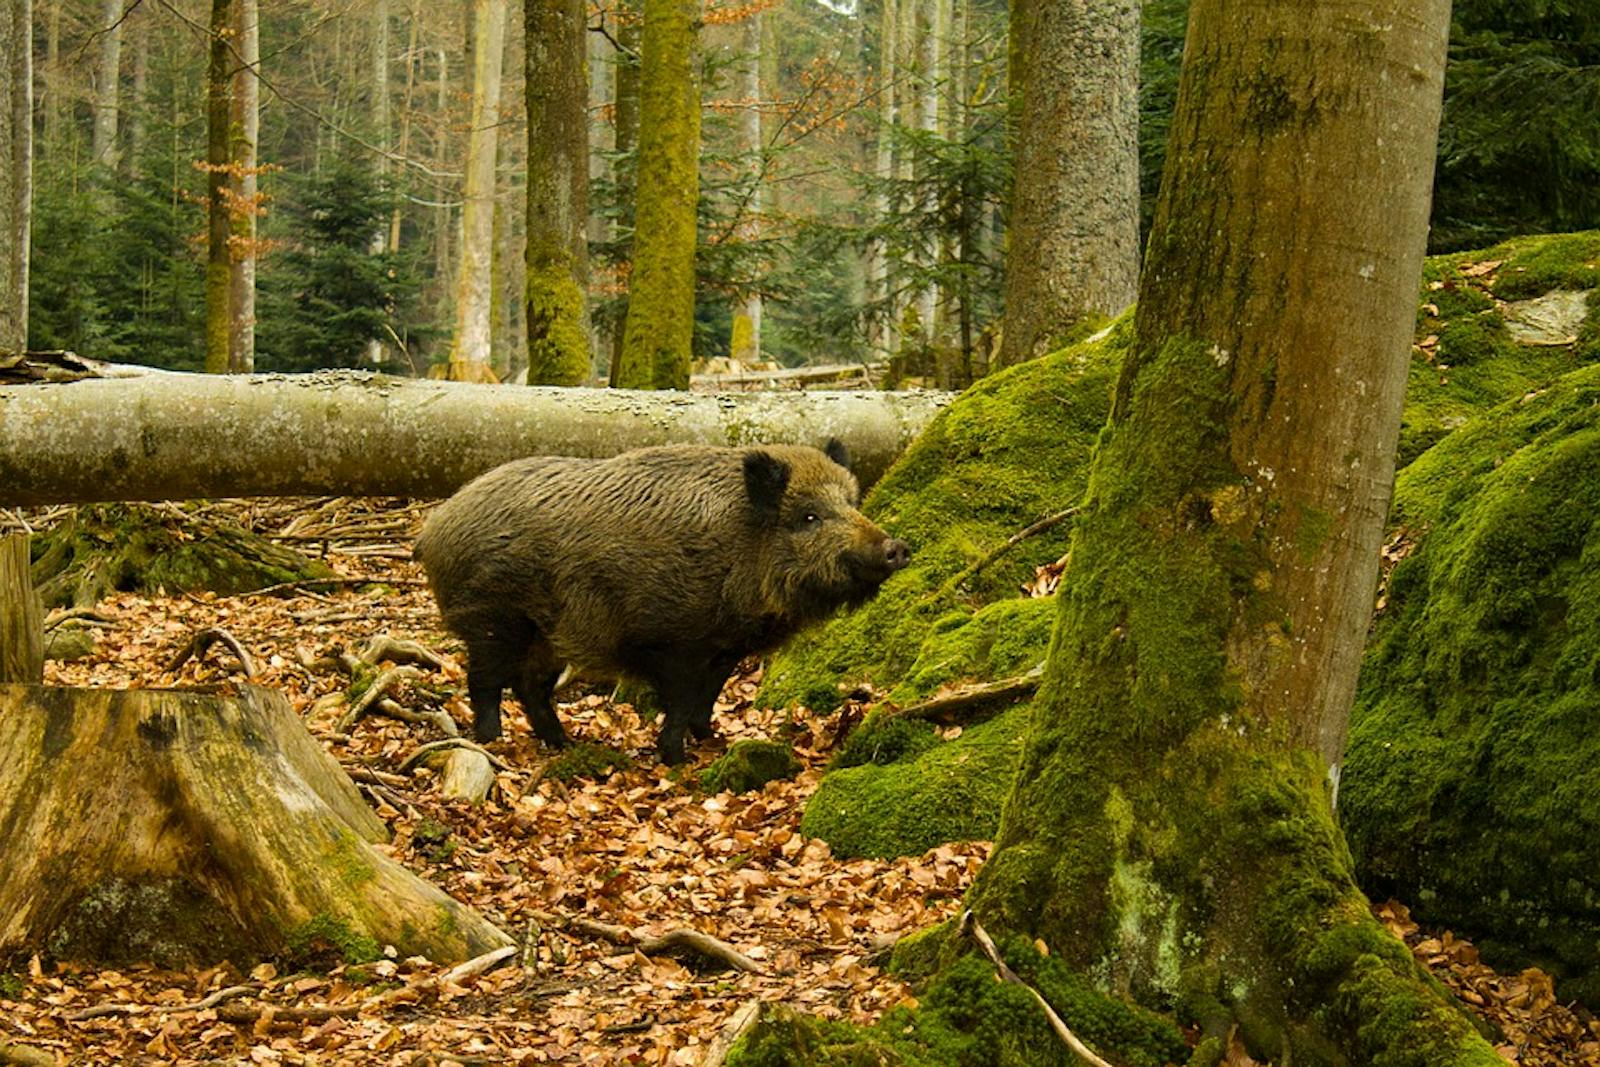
664 565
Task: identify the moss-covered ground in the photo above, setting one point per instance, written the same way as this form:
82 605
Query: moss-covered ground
1472 785
749 764
106 548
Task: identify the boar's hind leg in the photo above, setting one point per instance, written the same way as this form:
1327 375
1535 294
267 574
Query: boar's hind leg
687 694
535 687
715 679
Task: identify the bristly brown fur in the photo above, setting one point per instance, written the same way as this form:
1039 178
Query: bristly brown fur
667 565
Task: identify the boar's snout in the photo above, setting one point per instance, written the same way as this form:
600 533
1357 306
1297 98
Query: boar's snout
896 553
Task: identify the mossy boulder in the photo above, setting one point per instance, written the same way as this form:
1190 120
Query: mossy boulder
750 764
1467 359
107 548
1472 783
936 792
1012 450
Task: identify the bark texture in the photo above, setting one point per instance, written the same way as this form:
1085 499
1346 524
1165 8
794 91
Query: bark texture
1170 829
470 347
16 166
21 618
659 334
243 134
172 436
219 114
558 180
108 82
181 827
1074 237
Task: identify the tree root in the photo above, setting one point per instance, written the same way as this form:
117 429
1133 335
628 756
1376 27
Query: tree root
735 1028
970 928
197 646
971 702
693 940
211 1001
1046 523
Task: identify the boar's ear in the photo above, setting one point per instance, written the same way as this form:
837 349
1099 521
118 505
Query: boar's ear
765 479
835 450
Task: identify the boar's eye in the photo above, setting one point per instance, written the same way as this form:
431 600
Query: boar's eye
810 518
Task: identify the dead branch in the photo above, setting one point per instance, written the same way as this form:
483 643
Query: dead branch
971 702
1046 523
383 647
424 751
369 776
970 928
281 586
91 616
197 646
210 1001
438 718
380 687
693 940
735 1028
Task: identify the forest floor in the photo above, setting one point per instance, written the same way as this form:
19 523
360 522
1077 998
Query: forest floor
565 867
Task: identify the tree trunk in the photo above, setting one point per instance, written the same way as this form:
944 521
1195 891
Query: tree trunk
1171 825
470 348
625 127
16 166
244 133
108 83
219 112
557 88
171 436
746 343
183 828
21 619
880 330
658 337
1073 243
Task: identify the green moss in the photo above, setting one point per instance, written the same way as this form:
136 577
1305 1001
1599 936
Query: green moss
585 760
967 1019
433 840
1475 363
106 548
1014 449
11 985
750 764
1472 784
884 739
1004 639
323 942
917 956
558 348
951 791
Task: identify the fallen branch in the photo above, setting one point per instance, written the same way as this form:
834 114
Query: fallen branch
969 702
197 646
424 751
100 1010
379 688
383 647
1046 523
735 1028
693 940
281 586
970 928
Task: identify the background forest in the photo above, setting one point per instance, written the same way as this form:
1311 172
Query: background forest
365 110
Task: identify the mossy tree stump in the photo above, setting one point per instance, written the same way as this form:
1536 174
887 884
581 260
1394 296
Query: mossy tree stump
180 827
21 621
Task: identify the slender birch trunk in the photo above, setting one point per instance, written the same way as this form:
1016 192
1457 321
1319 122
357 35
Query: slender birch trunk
245 132
470 349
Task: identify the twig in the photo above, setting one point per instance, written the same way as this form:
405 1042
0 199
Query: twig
970 928
380 687
211 1001
331 581
1013 541
704 944
24 1055
370 776
964 704
383 647
203 640
741 1021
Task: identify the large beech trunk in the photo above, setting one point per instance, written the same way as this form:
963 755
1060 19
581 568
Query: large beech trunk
168 436
181 827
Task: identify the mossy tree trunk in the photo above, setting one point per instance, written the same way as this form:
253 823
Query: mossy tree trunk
16 165
219 145
558 180
1171 827
659 333
180 828
1073 242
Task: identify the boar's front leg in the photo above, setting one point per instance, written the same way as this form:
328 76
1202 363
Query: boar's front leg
687 692
535 688
495 653
715 678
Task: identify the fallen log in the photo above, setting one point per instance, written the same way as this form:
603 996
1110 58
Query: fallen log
181 827
175 436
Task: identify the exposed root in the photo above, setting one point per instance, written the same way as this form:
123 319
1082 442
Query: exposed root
424 751
970 928
211 1001
737 1025
373 693
197 646
971 702
693 940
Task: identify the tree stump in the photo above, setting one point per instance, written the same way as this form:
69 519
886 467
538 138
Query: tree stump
21 620
183 827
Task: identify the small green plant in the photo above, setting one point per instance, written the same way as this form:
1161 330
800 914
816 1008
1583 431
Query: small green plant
433 840
324 941
11 985
584 760
748 765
